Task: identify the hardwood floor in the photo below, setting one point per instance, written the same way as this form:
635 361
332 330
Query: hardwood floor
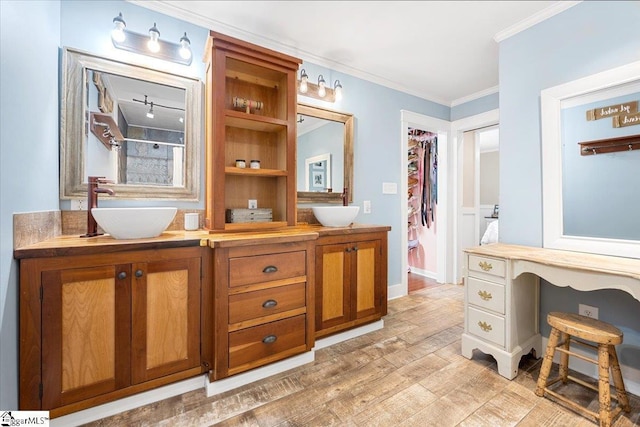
410 373
417 282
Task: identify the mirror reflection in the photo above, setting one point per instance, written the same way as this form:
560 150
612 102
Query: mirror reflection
138 127
325 155
150 121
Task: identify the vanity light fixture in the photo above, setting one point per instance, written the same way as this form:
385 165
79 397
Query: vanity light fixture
319 91
151 44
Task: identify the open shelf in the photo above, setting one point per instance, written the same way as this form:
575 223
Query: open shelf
230 170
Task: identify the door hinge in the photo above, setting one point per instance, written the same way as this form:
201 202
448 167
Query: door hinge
40 391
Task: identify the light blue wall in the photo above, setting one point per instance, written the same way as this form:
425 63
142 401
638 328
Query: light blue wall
28 150
588 38
476 106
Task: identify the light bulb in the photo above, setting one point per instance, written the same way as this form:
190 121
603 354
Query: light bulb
181 119
154 35
117 34
150 112
337 90
303 81
321 87
185 47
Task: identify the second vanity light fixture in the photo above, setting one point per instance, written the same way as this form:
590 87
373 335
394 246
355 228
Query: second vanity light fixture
151 44
319 91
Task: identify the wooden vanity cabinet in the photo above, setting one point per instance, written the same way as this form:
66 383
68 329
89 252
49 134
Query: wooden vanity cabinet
263 302
351 281
250 115
95 328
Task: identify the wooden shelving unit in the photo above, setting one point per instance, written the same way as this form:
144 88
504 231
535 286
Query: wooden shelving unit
237 69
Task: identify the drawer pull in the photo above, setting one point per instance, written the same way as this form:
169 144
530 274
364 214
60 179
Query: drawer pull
485 295
270 269
269 339
270 303
485 326
485 266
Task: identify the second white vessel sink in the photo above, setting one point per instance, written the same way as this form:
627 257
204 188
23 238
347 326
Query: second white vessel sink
335 216
134 223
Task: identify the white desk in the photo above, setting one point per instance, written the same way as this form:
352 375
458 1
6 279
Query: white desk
502 294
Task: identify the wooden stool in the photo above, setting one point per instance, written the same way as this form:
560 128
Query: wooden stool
572 326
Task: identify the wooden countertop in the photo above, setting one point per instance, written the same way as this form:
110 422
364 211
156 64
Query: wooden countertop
75 245
619 266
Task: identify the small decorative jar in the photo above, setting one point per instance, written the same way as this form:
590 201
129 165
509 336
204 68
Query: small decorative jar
255 164
240 163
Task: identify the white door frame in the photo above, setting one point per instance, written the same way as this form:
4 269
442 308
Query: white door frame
442 128
458 128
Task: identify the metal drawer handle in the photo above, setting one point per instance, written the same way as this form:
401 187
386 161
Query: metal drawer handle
270 303
270 269
485 265
485 326
485 295
269 339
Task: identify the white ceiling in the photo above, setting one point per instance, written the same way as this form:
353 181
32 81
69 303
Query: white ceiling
443 51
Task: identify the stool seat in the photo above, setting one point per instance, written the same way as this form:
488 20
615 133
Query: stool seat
565 328
586 328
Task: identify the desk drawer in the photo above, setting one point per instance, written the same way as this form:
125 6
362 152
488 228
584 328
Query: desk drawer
264 268
486 325
485 294
252 344
491 266
251 305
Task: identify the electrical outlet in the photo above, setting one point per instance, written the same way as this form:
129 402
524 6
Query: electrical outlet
253 204
587 310
367 206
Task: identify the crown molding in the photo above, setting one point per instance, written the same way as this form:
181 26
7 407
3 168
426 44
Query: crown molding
534 19
474 96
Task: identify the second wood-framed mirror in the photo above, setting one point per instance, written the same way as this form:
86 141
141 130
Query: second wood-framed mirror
324 134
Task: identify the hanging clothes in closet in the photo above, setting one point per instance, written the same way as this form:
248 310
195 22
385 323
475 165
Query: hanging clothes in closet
422 176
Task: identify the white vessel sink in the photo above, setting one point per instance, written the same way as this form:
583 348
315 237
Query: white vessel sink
335 216
134 223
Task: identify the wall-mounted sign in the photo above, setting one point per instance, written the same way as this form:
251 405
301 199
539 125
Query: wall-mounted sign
626 120
612 110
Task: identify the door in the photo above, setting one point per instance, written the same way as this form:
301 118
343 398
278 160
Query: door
333 276
85 333
166 317
365 293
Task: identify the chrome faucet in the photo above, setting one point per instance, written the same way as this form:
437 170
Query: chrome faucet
92 202
345 196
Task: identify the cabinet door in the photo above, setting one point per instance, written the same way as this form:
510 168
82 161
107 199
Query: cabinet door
333 275
366 289
85 333
166 318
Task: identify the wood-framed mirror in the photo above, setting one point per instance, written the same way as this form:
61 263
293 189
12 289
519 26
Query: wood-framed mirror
324 134
110 128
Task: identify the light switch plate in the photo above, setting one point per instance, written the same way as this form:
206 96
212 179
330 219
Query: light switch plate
389 188
367 206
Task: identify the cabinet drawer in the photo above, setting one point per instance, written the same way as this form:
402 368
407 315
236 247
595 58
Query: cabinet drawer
485 294
251 305
492 266
485 325
252 344
263 268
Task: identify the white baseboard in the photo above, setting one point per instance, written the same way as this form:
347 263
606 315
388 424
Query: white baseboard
347 335
127 403
396 291
424 273
630 376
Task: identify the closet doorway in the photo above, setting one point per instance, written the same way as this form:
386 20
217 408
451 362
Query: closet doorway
424 199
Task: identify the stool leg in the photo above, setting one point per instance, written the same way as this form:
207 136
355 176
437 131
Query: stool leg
621 392
545 369
603 385
564 358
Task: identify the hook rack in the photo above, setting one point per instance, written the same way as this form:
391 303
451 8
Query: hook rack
611 145
105 129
